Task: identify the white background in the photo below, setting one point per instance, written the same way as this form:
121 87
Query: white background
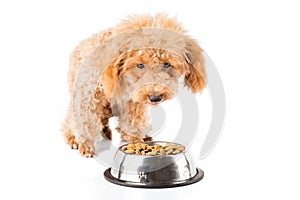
255 46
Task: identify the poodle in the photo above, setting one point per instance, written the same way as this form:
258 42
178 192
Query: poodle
134 79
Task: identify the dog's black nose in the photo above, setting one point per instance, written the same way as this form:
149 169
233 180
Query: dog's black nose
154 98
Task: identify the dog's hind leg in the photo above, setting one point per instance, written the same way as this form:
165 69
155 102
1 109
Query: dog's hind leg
67 130
84 144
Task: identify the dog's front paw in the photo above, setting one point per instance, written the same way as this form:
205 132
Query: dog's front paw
87 150
132 138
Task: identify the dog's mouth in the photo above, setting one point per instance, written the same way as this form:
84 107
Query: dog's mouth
154 103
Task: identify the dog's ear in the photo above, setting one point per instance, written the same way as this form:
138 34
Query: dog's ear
110 78
112 74
195 76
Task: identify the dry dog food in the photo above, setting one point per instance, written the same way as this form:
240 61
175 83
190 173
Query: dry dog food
153 150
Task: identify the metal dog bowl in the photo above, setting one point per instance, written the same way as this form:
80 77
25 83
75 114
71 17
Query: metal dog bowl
157 171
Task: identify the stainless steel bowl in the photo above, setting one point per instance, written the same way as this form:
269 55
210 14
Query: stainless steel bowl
153 171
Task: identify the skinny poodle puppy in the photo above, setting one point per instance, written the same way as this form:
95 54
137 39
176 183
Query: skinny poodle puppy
134 79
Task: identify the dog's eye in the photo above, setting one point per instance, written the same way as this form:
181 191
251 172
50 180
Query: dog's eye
167 65
140 66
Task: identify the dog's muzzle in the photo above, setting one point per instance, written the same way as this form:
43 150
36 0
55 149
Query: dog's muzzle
155 99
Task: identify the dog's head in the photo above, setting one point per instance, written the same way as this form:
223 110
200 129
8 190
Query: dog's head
151 75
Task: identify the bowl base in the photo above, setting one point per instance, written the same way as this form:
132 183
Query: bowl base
112 179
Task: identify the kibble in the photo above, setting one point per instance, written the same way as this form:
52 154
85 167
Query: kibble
153 150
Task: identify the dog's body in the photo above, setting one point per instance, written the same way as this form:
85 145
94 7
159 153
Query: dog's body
134 80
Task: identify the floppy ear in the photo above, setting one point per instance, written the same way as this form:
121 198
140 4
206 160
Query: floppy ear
195 77
110 77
